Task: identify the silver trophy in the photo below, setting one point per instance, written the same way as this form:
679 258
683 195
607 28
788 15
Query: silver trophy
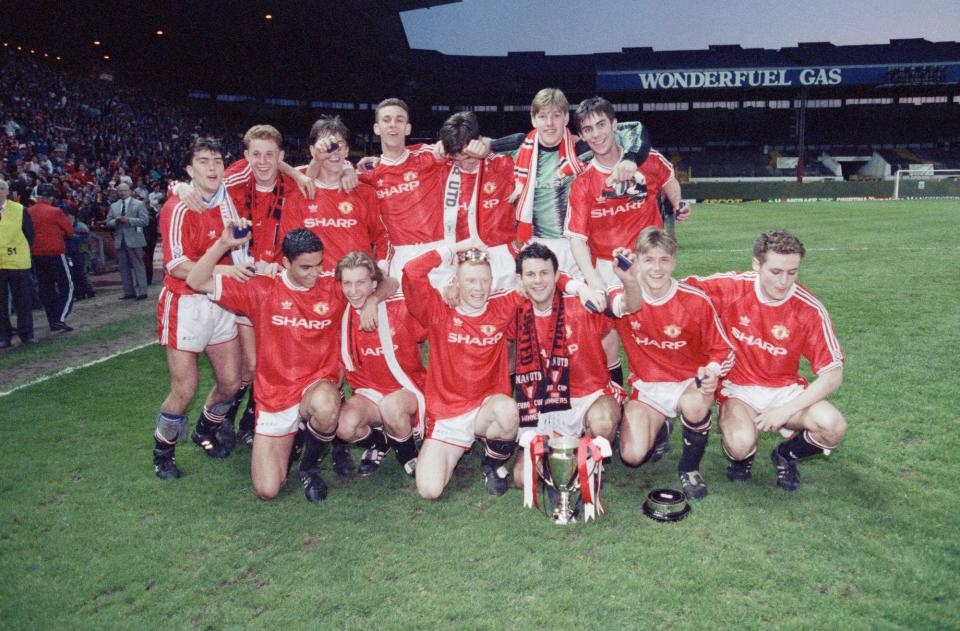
560 473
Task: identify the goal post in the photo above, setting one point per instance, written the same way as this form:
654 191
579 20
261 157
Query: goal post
924 182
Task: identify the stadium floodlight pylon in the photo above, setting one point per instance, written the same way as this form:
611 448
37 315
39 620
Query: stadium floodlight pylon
926 183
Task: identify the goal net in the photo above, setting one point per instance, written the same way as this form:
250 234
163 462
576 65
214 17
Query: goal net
922 181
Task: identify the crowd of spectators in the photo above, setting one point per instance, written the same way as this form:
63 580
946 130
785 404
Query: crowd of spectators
85 134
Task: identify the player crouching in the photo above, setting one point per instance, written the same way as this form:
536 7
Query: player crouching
773 321
294 316
382 366
676 350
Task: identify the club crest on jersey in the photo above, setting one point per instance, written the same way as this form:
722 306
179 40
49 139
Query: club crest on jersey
487 329
489 188
409 176
321 308
312 207
345 207
744 321
672 330
780 332
568 330
286 304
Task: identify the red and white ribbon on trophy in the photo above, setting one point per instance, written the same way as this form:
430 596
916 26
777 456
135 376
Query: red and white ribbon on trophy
534 447
590 457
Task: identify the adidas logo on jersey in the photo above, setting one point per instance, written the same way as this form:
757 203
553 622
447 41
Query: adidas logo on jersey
750 340
406 187
328 222
286 305
598 213
299 323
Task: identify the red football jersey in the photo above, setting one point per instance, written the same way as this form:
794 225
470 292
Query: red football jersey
264 208
345 222
771 336
669 338
410 192
607 223
186 235
583 335
297 332
496 217
468 351
366 353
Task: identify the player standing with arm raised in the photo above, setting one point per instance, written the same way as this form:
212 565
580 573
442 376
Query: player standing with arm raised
772 322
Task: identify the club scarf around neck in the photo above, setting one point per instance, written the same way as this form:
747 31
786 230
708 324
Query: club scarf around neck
228 212
539 386
525 176
451 204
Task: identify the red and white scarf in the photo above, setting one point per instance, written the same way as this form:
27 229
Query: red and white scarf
525 176
451 204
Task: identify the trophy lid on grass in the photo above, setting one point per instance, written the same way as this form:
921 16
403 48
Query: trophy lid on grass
666 505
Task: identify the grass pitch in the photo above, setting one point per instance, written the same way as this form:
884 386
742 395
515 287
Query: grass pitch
90 539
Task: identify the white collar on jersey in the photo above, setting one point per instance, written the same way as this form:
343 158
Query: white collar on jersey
656 302
388 162
327 187
769 302
290 284
543 313
599 167
266 189
472 312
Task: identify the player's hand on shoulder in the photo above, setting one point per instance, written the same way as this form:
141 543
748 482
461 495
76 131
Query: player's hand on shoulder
305 183
189 196
368 315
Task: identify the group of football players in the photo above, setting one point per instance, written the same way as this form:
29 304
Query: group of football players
525 263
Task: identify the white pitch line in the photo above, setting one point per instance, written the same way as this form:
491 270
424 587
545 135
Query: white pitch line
70 369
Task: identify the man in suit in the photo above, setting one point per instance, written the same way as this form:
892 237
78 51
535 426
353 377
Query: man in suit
128 218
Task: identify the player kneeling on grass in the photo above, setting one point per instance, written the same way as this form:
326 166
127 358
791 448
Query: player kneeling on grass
772 321
295 316
562 386
676 350
383 369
